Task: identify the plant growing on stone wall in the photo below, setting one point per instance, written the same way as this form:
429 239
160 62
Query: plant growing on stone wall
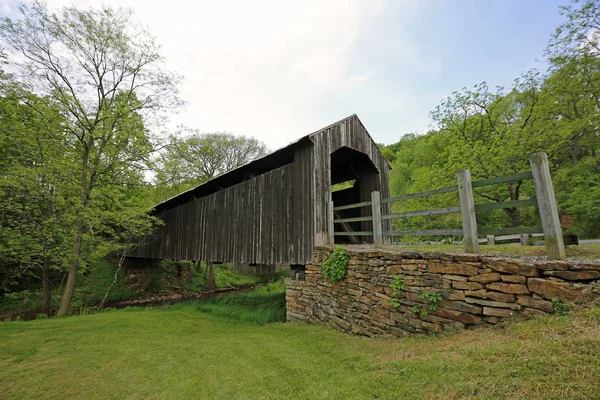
336 265
432 299
398 286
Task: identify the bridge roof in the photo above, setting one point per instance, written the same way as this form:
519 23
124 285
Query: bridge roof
273 160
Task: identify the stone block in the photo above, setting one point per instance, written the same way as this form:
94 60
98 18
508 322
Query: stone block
376 262
584 267
549 290
498 312
463 317
394 269
510 266
461 306
448 294
515 288
414 297
513 278
466 257
502 297
430 256
452 268
491 303
530 302
574 275
445 322
467 285
485 278
449 277
476 293
433 277
340 323
553 265
411 255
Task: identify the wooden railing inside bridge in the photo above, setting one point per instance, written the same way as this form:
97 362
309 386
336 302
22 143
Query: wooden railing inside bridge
544 200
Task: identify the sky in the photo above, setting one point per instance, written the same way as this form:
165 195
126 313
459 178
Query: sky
278 70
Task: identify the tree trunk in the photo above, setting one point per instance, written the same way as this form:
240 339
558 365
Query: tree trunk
67 298
115 278
46 291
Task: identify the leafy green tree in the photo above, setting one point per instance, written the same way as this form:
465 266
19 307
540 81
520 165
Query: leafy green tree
193 158
573 103
107 76
35 189
492 134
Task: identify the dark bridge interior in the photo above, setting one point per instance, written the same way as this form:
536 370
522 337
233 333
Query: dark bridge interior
348 164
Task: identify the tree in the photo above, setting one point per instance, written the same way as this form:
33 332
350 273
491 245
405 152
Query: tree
35 186
107 76
487 133
573 104
198 157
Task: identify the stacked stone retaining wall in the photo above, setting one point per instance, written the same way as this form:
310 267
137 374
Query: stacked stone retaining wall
475 290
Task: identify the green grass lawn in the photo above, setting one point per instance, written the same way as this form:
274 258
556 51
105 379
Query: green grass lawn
584 251
180 352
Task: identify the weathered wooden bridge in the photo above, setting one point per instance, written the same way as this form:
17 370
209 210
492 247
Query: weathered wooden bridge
274 210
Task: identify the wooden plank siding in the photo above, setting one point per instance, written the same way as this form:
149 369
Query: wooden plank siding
251 222
276 217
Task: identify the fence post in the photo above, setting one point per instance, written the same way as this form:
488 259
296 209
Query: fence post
491 240
467 211
544 192
330 226
376 212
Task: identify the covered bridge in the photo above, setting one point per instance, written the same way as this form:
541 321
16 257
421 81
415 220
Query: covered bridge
274 210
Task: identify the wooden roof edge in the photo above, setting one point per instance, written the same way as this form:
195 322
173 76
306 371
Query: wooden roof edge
363 125
272 154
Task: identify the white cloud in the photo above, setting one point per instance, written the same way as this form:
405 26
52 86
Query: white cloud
263 67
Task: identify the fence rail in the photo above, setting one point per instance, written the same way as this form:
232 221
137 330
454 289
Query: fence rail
544 200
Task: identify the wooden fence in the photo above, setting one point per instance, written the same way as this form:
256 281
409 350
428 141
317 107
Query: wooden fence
544 200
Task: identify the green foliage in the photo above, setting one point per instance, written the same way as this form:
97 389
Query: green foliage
492 131
336 265
432 303
398 287
193 158
561 307
95 283
171 276
165 275
227 278
343 185
263 305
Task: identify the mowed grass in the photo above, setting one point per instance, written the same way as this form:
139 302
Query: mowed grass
180 352
584 251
